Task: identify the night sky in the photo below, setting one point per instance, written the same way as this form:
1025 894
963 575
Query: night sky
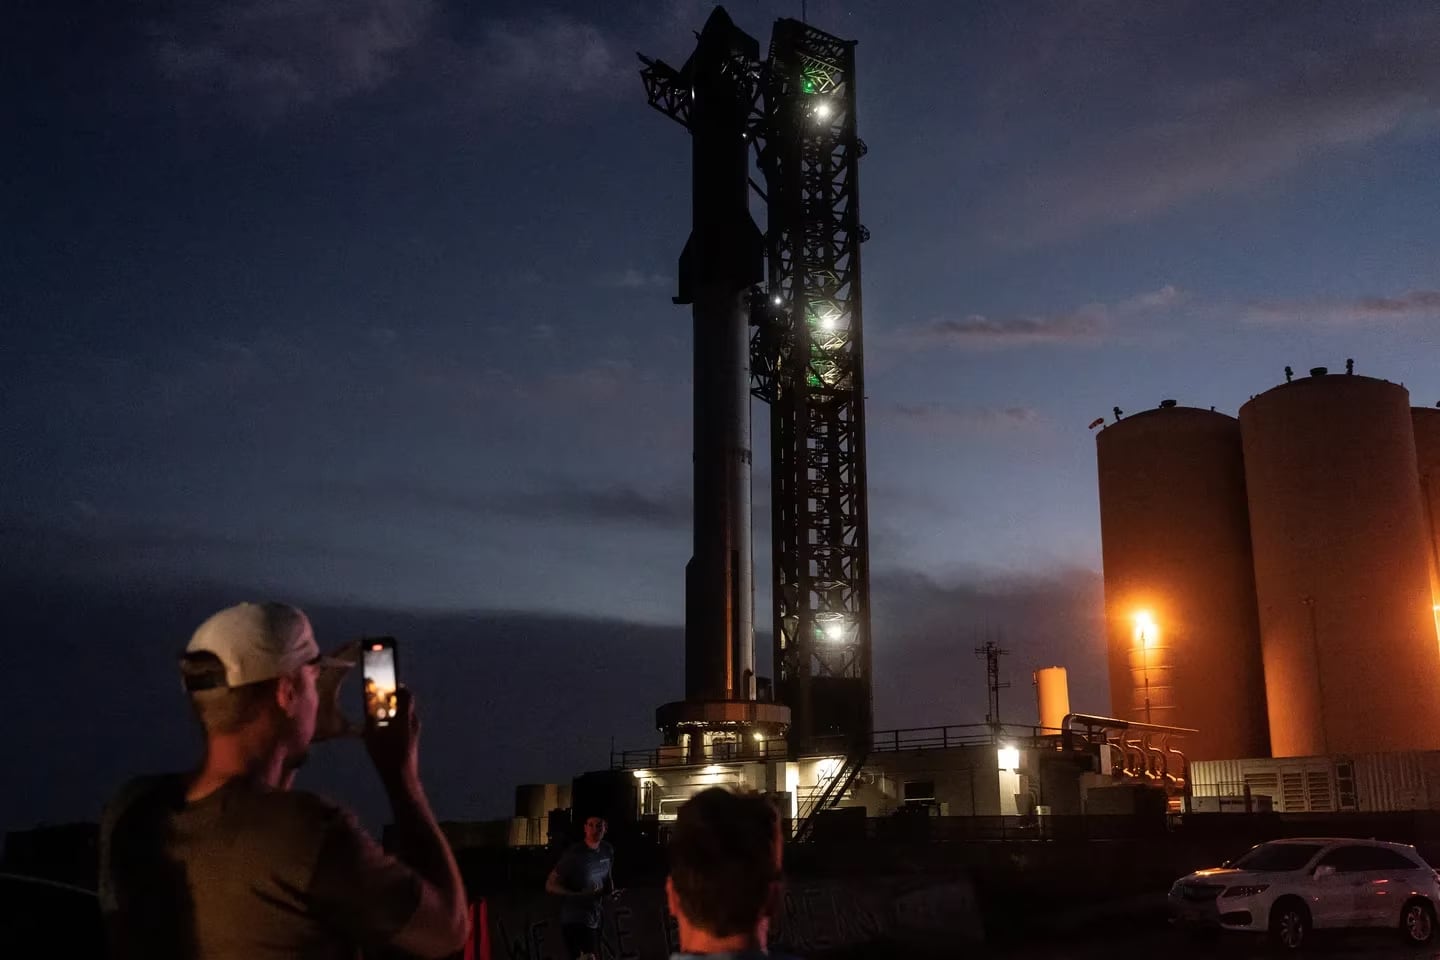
366 305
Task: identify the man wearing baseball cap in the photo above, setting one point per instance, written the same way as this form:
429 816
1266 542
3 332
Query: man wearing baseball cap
229 862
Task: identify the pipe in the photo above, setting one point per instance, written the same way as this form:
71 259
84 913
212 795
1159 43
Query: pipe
1134 759
1156 770
1113 723
1183 765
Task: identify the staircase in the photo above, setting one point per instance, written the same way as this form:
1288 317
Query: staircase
828 792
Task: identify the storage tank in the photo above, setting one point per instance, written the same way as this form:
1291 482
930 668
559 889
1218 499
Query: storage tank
1183 638
1052 696
1347 628
1427 456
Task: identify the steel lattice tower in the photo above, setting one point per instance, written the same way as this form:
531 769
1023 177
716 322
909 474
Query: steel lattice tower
808 360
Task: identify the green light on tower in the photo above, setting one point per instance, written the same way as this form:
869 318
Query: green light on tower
807 85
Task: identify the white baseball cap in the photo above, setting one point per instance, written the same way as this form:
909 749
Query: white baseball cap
255 642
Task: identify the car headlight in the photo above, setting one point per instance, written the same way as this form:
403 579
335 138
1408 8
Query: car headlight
1248 891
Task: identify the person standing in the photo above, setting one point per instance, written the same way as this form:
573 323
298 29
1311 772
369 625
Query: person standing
581 880
228 862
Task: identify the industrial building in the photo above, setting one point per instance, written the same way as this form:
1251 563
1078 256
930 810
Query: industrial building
1274 581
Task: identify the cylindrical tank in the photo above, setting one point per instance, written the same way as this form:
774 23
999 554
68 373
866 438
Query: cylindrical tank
1052 696
1346 626
1427 457
1184 645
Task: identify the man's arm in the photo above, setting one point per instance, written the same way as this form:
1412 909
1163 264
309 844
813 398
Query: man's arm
555 885
610 888
440 924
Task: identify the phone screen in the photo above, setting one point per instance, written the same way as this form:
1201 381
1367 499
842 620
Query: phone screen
380 681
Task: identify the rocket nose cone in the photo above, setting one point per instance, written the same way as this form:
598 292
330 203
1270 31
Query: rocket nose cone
718 20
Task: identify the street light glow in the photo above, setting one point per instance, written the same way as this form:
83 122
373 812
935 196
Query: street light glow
823 111
1146 630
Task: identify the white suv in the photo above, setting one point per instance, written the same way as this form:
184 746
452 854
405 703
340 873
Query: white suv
1289 887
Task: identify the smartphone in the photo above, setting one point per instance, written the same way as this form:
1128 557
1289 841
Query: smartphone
381 676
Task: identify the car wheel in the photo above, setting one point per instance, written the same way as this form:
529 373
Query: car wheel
1417 922
1289 924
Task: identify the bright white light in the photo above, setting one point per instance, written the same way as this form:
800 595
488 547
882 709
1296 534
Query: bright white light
713 768
823 110
826 767
641 774
1146 630
759 737
827 323
778 301
1008 757
834 630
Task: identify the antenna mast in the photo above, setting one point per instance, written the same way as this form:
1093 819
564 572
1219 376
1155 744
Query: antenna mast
991 652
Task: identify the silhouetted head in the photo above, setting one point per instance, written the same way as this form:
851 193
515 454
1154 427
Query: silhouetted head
725 866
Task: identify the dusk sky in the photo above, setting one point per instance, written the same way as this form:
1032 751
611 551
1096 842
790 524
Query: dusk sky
367 305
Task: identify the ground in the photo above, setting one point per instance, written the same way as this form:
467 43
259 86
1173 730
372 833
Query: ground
1155 941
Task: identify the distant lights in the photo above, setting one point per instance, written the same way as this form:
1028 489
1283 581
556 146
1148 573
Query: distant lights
759 737
778 300
642 774
834 630
1008 758
823 110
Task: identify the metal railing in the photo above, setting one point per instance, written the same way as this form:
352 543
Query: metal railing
882 741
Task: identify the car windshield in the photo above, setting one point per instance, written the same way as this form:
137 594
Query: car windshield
1277 856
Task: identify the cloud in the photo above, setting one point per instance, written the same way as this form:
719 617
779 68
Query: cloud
633 279
1083 326
563 501
944 419
618 504
265 59
1292 89
1405 308
542 63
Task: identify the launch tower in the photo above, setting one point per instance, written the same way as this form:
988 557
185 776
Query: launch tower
795 293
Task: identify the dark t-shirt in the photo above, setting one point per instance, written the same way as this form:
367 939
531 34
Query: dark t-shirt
585 871
246 872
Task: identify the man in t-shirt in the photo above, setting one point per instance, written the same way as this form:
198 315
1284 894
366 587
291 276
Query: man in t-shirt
228 862
581 879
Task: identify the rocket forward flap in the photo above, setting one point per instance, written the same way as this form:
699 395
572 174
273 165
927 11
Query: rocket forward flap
733 256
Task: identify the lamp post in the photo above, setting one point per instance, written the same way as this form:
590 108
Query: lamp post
1144 629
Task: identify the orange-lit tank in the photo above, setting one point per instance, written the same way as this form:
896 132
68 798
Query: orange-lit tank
1184 644
1347 631
1427 455
1052 697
